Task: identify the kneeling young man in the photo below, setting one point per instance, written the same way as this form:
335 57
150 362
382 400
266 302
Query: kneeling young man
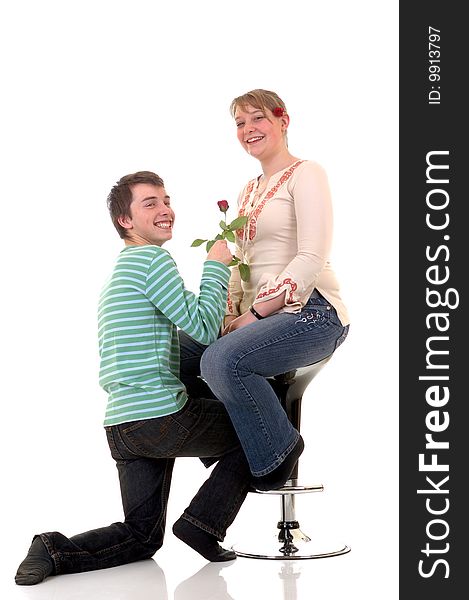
150 420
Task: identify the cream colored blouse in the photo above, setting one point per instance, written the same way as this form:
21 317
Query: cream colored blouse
286 241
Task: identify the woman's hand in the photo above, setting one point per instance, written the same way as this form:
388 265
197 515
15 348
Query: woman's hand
238 322
268 307
227 320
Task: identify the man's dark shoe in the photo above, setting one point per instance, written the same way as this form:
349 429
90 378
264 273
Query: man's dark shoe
36 566
201 541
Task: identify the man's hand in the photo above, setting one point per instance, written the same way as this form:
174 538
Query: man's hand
220 252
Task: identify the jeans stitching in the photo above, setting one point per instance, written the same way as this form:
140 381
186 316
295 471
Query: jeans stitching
342 336
251 400
231 512
200 525
50 549
314 316
137 448
121 436
285 336
102 552
165 488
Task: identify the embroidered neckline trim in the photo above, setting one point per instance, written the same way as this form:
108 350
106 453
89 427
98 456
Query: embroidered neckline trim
251 225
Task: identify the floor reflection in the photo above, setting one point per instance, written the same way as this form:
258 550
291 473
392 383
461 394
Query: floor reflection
289 576
207 584
137 581
144 580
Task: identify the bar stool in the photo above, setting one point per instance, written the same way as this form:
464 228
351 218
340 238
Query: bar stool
291 543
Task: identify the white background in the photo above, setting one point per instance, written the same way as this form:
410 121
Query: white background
93 90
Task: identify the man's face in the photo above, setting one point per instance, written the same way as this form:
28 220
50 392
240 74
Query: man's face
152 218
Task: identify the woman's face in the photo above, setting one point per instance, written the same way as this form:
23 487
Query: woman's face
259 132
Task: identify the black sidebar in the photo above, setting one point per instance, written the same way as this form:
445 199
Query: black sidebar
434 331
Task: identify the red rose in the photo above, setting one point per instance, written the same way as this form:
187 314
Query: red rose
228 233
278 111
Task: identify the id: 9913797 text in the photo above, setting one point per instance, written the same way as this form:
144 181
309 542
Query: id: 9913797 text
434 53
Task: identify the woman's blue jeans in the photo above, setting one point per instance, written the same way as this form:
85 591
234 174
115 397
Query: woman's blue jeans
236 365
144 452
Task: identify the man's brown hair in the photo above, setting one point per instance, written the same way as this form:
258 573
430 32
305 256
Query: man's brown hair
120 196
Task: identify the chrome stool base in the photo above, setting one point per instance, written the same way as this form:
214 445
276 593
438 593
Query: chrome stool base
304 550
291 543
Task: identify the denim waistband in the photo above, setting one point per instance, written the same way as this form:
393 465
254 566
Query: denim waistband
317 298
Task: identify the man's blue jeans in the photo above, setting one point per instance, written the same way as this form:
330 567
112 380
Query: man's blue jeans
236 365
144 452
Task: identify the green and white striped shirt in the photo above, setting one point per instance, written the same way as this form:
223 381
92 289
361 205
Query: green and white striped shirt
140 309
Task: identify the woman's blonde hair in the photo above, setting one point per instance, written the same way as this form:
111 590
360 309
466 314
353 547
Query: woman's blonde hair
261 99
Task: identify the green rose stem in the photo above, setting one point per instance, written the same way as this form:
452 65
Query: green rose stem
227 233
